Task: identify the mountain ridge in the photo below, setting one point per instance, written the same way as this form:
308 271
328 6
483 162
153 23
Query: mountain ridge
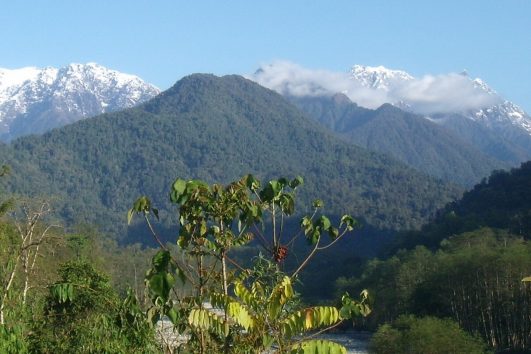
441 99
215 129
506 119
36 100
410 138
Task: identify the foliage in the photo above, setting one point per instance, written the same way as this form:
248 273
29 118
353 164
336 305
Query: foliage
83 314
12 340
474 278
214 129
106 323
502 201
26 237
254 309
412 335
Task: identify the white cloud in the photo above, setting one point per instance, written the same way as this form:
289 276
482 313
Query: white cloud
429 94
443 93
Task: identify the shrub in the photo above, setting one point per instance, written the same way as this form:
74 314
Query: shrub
427 335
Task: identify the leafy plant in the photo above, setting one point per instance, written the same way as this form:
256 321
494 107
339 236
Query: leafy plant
12 340
254 308
83 314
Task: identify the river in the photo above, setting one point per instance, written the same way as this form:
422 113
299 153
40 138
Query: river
356 342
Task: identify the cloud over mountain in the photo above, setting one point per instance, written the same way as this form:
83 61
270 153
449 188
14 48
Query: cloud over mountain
428 94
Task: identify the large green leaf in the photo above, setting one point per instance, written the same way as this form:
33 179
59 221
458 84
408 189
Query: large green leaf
206 320
317 346
310 319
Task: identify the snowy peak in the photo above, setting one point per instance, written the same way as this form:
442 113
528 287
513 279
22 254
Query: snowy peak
378 77
16 77
480 84
433 96
34 100
409 93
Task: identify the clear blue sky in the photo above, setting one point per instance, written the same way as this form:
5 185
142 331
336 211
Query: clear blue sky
161 41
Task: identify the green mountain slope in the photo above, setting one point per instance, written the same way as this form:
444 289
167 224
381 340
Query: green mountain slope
502 201
511 148
215 129
410 138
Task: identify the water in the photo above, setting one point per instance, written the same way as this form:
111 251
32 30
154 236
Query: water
356 342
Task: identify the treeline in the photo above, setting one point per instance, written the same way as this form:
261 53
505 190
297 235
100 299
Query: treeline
474 278
467 265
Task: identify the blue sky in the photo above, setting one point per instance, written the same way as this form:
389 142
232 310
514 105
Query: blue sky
161 41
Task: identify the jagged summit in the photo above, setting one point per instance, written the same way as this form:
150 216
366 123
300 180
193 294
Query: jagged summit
502 116
378 77
34 100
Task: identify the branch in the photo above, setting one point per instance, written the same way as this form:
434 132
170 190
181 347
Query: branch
155 236
313 335
334 241
290 243
303 264
233 262
262 239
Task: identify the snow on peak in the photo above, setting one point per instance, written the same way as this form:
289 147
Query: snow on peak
372 86
16 77
473 98
482 85
378 77
75 91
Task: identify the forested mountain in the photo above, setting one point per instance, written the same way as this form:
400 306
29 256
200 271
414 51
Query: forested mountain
468 265
466 121
501 201
511 145
216 129
408 137
499 119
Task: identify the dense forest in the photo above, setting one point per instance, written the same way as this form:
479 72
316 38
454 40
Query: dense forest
467 293
467 265
215 129
501 201
260 250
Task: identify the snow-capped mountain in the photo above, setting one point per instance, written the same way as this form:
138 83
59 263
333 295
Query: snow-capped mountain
503 115
468 109
379 77
34 100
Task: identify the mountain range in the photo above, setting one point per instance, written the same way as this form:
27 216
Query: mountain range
34 100
449 126
447 139
220 128
500 129
216 129
406 136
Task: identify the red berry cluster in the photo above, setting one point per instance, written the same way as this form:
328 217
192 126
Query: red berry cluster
280 253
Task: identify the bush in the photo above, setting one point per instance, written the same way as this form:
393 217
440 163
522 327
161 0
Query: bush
83 314
428 335
12 340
